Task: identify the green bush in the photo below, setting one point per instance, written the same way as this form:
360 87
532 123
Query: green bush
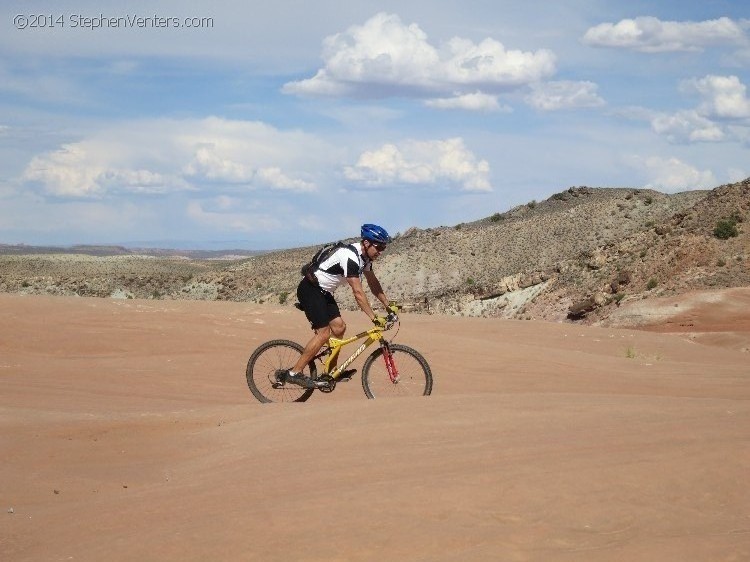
496 217
282 297
652 283
726 229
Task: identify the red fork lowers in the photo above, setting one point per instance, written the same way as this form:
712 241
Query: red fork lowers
390 364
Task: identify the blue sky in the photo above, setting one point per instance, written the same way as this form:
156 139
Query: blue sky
269 126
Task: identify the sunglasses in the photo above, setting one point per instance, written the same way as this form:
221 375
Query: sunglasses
378 247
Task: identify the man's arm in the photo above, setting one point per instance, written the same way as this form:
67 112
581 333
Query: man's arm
360 297
375 287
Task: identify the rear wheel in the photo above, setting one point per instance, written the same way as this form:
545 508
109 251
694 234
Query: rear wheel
261 372
414 375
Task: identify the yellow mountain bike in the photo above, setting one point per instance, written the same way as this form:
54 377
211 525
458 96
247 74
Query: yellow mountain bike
390 370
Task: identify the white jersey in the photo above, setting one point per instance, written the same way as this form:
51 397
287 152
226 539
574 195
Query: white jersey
346 261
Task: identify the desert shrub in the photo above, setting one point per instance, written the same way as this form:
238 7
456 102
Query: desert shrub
496 217
652 283
648 200
618 297
726 229
721 262
531 204
283 296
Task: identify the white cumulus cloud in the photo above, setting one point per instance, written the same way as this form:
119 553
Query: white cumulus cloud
651 35
564 94
672 175
724 97
276 179
722 114
82 170
210 162
439 163
165 156
385 57
687 126
472 102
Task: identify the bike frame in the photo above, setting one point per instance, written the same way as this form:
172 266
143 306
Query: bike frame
332 351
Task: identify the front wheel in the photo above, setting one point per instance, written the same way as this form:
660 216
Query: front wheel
261 372
414 375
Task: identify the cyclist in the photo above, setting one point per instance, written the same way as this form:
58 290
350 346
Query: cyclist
315 291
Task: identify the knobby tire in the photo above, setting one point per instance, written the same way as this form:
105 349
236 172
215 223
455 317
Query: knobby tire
415 377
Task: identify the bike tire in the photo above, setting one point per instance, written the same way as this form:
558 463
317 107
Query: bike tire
262 367
415 376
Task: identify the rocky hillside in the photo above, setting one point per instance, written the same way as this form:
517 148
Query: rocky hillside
575 257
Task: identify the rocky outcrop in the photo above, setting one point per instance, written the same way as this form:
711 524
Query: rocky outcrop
574 257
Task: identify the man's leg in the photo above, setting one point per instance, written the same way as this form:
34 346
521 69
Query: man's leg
337 327
313 346
320 308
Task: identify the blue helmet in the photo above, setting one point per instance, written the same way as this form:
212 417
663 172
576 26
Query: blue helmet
375 233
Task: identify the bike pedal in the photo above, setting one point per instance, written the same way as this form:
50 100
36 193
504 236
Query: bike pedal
347 375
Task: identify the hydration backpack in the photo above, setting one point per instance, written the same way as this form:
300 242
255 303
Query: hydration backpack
320 256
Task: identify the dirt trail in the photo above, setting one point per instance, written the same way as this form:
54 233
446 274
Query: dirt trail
128 433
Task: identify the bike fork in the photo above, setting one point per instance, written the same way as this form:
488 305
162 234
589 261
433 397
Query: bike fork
390 364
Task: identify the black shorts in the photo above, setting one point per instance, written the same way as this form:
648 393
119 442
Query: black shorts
319 306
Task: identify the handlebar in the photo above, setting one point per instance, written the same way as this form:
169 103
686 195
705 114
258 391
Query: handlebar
390 320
